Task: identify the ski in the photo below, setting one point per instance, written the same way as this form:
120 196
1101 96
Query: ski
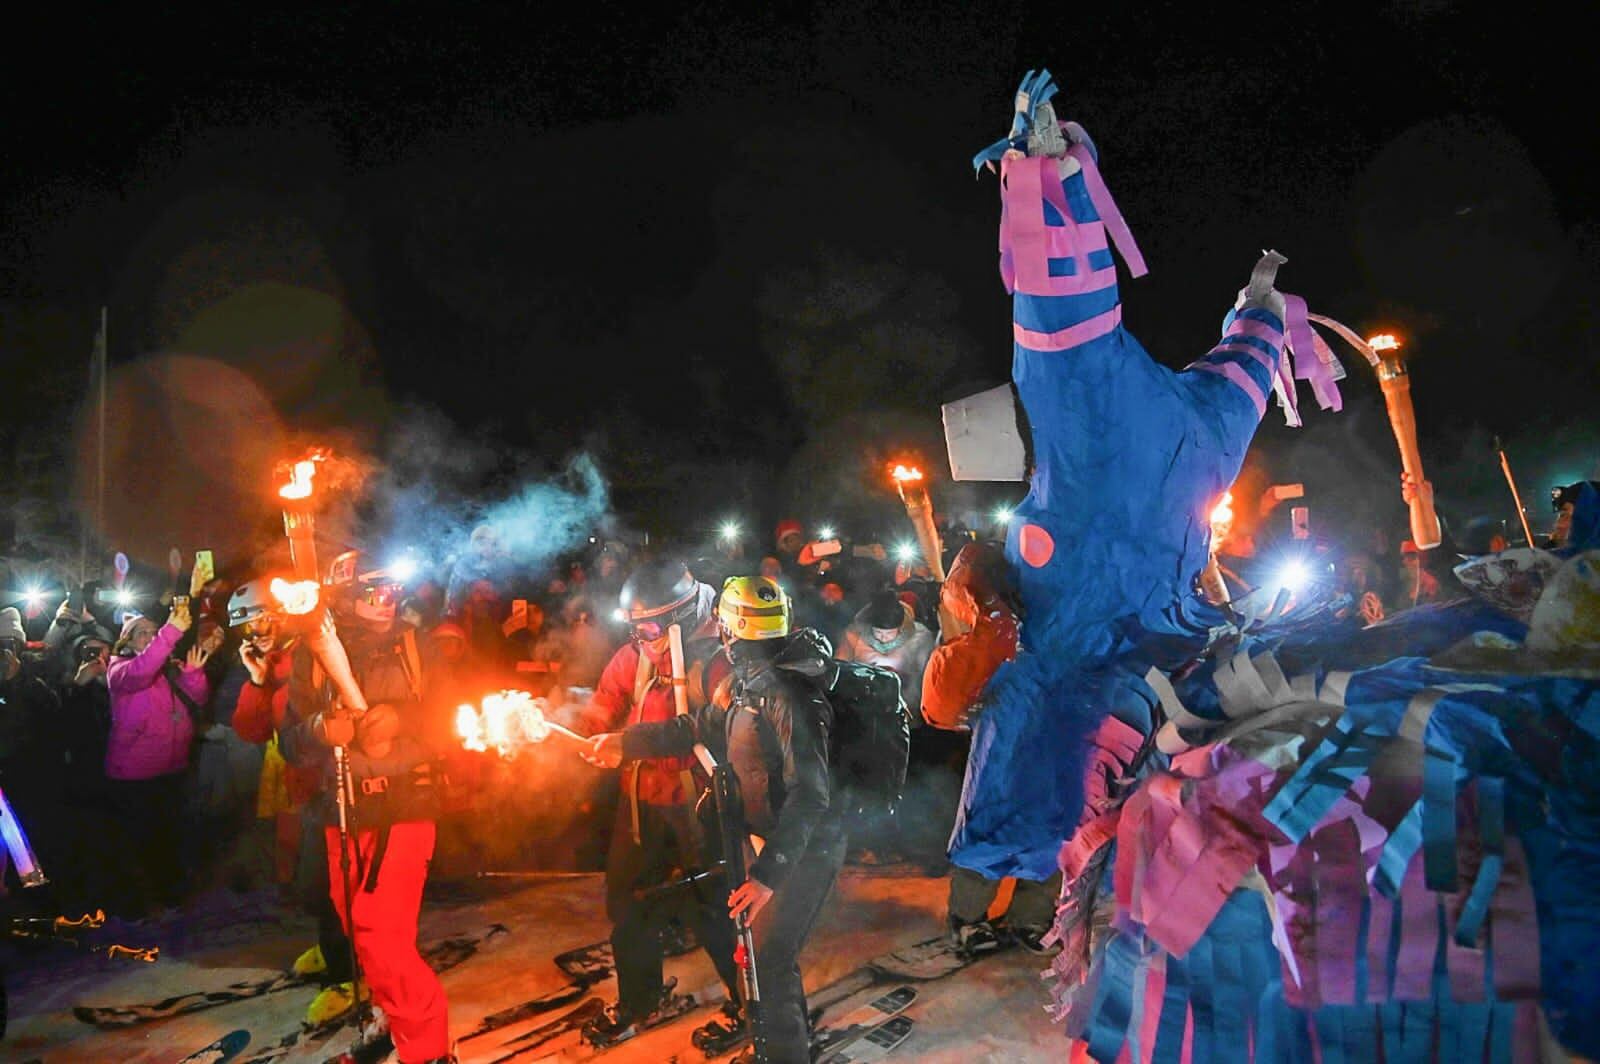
441 956
221 1051
583 967
858 1021
932 958
572 1021
875 1044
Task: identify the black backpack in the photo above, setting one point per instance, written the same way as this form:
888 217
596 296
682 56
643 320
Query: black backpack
871 733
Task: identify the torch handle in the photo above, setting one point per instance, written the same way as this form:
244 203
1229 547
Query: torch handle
1396 386
920 509
1516 497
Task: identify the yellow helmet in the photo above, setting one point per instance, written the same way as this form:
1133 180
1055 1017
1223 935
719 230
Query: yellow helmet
753 607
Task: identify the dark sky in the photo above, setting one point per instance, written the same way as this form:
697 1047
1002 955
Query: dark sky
723 248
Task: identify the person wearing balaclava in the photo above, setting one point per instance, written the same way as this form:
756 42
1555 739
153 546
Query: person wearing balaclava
886 633
656 831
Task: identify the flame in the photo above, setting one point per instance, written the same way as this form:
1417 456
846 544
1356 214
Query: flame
903 474
1384 342
297 597
1221 520
470 728
507 721
300 476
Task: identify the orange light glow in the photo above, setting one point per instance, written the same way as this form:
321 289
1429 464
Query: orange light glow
297 597
904 474
506 722
1384 342
1221 521
300 477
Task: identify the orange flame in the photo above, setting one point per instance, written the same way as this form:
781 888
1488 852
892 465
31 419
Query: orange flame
903 474
1221 520
300 476
507 721
297 597
1384 342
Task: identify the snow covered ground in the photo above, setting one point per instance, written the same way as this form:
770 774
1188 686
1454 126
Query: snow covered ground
991 1011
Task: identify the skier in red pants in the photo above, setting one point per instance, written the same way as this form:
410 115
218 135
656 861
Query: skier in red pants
382 873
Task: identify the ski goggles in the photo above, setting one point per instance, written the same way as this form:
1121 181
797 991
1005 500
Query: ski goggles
649 628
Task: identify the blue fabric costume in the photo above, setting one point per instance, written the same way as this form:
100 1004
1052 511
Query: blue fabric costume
1129 458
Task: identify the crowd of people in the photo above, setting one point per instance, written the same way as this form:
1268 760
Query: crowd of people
189 741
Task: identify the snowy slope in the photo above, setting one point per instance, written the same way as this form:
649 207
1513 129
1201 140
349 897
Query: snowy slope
992 1011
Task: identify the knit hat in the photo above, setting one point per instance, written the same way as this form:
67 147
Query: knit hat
883 610
127 625
11 625
788 526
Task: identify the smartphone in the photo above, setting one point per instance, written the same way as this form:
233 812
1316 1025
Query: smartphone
76 598
1300 522
205 571
106 596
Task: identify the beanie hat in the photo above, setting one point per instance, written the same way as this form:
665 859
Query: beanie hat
883 610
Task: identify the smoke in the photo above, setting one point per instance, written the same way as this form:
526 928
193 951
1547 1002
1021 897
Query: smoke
436 483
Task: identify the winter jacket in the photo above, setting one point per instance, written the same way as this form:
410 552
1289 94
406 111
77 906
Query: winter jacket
262 710
150 726
775 734
981 636
634 690
906 652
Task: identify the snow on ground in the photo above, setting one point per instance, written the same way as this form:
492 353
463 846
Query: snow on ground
991 1011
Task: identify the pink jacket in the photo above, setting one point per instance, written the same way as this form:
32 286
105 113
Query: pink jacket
150 727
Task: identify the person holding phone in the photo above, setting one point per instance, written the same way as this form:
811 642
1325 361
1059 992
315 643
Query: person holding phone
147 751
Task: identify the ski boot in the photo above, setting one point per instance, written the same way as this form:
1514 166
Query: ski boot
971 940
373 1045
727 1029
333 1002
311 963
617 1023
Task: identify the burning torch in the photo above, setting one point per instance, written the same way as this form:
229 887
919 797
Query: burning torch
301 600
1212 585
299 519
913 490
1396 385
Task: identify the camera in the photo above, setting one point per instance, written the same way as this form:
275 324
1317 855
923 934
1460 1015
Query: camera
88 652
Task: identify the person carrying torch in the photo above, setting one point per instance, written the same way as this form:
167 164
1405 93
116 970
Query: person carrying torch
913 489
380 828
773 730
656 831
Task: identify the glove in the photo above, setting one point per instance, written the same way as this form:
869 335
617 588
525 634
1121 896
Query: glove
334 731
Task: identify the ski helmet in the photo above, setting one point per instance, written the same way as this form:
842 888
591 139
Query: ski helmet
753 607
251 601
657 596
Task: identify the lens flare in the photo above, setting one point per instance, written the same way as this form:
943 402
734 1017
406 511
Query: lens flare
729 531
1002 515
403 569
1294 576
825 532
905 552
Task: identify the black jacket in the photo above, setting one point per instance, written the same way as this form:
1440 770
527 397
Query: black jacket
774 733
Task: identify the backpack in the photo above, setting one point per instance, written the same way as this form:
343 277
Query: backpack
872 732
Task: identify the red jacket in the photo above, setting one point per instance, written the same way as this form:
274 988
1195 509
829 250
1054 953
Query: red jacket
612 708
261 711
980 634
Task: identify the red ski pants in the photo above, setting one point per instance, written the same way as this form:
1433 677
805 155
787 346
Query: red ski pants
385 934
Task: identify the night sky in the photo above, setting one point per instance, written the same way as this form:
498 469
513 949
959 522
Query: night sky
740 257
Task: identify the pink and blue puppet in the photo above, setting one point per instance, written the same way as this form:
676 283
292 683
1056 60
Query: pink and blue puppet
1129 457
